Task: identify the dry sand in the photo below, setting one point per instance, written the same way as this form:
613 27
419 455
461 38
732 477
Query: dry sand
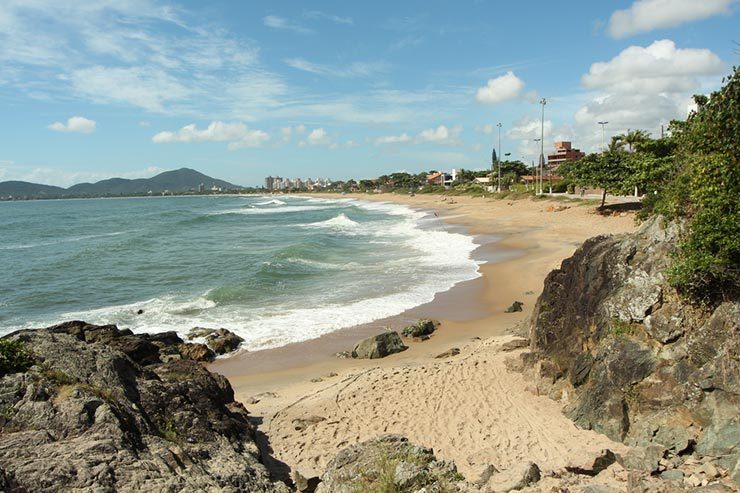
468 407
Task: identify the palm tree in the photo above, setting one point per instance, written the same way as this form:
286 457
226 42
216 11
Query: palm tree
632 138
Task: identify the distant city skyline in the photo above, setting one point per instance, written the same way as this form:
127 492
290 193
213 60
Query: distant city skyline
240 90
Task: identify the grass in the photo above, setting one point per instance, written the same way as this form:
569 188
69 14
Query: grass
623 329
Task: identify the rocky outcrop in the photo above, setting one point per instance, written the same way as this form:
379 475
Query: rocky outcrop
631 359
379 346
390 463
421 328
220 341
103 409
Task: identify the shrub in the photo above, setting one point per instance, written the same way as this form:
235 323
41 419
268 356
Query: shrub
14 357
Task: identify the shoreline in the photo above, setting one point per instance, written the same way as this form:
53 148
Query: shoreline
298 381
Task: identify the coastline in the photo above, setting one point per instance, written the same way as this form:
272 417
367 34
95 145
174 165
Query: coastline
278 385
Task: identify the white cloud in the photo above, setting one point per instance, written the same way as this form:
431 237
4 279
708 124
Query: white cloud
393 139
355 69
147 89
315 14
237 135
657 68
647 15
642 88
318 136
75 124
503 88
485 129
441 135
276 22
529 128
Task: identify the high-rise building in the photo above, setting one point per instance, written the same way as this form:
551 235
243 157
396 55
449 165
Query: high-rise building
269 182
563 152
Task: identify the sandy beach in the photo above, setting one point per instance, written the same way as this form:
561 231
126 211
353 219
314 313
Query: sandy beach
469 408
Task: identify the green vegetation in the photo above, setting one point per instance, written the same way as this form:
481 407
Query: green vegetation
704 189
15 357
693 176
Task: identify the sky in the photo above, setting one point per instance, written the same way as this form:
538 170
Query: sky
244 89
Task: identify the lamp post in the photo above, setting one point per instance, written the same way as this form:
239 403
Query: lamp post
603 124
535 172
498 187
543 102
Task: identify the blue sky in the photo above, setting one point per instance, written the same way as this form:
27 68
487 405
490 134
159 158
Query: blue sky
243 89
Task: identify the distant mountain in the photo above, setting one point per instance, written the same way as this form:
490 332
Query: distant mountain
177 181
27 189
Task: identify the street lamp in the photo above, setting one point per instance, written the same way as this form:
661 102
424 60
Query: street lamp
534 170
543 102
498 187
603 124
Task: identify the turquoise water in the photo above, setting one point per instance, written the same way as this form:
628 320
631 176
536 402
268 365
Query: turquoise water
273 269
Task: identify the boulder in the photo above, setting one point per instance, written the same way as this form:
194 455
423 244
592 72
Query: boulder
196 352
223 341
421 328
379 346
515 478
515 307
389 463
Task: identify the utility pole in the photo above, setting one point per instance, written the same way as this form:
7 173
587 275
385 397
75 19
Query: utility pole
536 182
603 124
498 187
543 102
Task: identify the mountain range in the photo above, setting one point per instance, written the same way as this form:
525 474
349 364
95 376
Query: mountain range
176 181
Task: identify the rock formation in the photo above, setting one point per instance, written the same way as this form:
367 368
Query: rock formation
629 358
379 346
103 409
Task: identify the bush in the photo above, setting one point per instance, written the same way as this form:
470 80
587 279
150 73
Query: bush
14 357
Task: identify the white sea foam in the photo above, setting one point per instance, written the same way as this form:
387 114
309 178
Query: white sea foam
271 202
273 210
340 223
442 260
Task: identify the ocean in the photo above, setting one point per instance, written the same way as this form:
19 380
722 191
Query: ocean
273 269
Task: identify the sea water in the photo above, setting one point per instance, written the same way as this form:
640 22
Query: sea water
273 269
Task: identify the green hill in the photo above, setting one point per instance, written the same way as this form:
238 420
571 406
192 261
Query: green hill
176 181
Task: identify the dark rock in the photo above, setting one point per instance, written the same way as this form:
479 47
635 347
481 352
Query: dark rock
644 459
421 328
514 307
581 368
379 346
196 352
449 353
200 332
223 341
103 414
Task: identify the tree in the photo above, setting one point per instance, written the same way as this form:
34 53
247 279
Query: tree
607 171
706 192
633 138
